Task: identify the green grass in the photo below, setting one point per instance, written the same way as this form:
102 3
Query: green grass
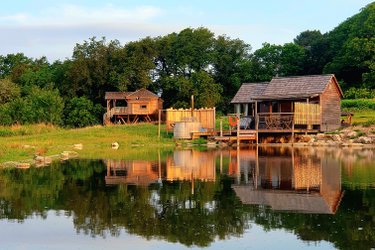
362 117
358 104
134 140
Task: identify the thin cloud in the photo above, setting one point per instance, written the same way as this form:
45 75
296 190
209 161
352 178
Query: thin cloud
76 14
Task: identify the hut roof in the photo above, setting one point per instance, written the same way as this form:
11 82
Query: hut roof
285 88
116 95
287 200
140 93
248 91
297 87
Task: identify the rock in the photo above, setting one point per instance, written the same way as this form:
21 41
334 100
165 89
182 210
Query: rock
23 165
42 160
211 144
336 138
320 136
115 145
78 146
363 140
351 134
305 138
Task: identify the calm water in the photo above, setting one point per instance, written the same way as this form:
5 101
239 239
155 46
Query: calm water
253 198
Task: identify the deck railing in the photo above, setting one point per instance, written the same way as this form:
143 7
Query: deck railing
275 121
119 111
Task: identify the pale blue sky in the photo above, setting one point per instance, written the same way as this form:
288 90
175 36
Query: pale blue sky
52 28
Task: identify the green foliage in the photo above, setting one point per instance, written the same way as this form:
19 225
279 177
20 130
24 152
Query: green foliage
360 104
5 115
8 91
81 112
359 93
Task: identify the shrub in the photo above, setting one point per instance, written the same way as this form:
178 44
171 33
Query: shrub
361 104
5 115
46 106
355 93
81 112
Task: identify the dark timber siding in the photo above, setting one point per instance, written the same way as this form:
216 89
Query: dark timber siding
330 105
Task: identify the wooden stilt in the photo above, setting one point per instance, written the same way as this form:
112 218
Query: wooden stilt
159 123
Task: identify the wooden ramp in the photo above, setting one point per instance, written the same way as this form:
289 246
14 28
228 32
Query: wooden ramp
244 135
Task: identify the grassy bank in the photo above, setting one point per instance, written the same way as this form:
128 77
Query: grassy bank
23 142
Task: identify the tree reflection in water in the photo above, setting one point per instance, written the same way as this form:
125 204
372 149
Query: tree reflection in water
195 197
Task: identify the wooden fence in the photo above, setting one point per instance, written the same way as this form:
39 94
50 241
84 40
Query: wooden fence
306 113
206 116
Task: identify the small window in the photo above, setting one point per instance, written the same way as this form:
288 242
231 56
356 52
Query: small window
143 106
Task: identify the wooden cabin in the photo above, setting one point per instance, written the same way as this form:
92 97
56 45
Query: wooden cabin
299 103
131 107
135 172
290 181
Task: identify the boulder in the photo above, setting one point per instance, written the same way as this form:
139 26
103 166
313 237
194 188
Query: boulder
78 146
115 145
363 140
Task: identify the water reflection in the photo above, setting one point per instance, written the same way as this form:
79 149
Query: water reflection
182 165
199 197
289 180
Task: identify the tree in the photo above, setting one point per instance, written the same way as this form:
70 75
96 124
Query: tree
46 106
81 112
207 92
8 91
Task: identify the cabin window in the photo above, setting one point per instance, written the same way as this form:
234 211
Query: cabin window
143 106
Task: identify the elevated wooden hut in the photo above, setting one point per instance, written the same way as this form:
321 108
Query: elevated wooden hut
131 107
300 103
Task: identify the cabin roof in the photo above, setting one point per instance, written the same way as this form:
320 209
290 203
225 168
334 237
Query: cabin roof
296 86
283 200
248 91
140 93
116 95
279 88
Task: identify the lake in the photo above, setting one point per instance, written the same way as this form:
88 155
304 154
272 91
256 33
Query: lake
244 198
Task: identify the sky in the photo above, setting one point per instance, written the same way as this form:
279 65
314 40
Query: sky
52 28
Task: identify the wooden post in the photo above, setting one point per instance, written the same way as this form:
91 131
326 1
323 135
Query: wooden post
256 121
221 127
159 166
159 124
221 161
192 105
238 165
292 131
238 129
256 167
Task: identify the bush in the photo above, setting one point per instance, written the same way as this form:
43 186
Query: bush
46 106
5 115
354 93
81 112
360 104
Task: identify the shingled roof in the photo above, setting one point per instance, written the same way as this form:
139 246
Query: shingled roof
297 87
286 200
248 91
140 93
116 95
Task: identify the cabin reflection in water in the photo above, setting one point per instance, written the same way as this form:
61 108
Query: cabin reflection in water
182 165
134 172
289 179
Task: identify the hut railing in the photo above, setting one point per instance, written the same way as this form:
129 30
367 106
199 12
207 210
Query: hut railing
306 113
206 116
275 121
119 111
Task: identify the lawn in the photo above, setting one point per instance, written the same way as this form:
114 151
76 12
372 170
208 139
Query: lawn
23 142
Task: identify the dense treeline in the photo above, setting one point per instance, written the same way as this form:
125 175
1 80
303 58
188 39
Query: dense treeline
177 65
